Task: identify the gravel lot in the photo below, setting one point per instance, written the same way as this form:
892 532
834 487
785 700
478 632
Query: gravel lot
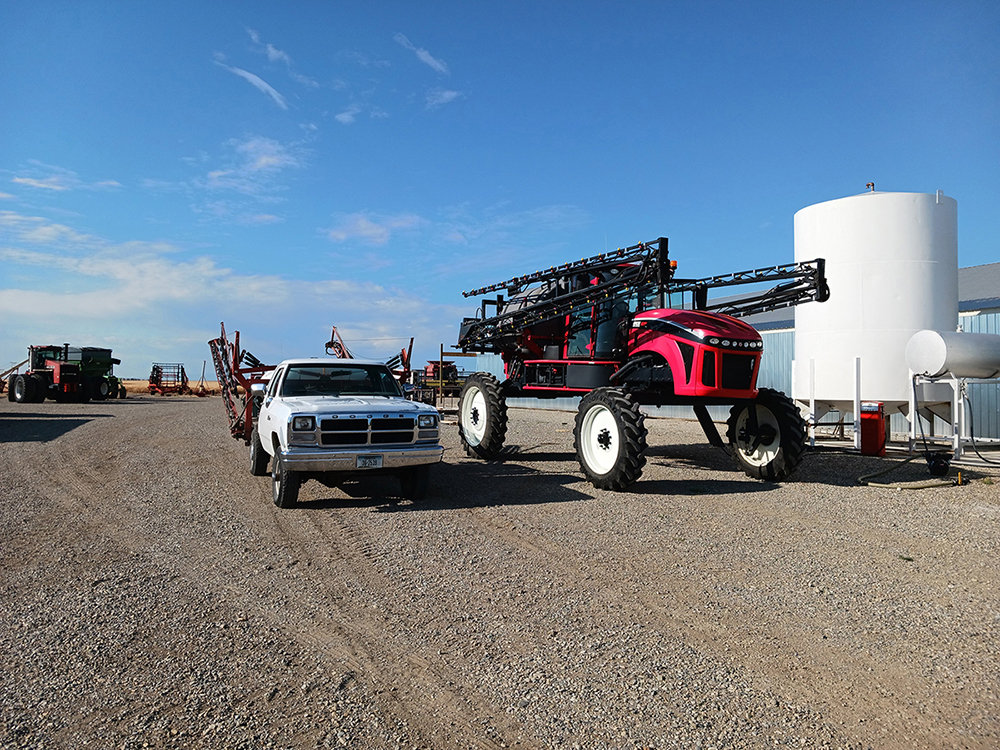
152 596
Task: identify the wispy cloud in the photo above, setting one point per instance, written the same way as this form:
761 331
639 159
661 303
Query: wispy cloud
372 229
43 176
276 55
258 162
349 115
423 55
257 82
438 97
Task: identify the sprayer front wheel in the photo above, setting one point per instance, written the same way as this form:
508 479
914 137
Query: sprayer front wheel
775 448
610 438
482 416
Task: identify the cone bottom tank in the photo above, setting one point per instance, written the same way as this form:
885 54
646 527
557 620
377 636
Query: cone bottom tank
892 267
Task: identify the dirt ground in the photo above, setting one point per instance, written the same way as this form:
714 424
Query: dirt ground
152 596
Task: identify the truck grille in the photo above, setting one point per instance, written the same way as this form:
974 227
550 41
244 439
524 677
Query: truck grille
378 431
737 370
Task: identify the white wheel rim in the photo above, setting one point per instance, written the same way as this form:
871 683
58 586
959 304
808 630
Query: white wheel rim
276 480
600 439
764 453
474 416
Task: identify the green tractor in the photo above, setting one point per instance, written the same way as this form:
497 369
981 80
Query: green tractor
66 373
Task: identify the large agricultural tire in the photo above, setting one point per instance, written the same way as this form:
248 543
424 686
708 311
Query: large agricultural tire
610 438
41 388
10 387
100 389
777 448
24 389
415 481
482 416
284 484
258 456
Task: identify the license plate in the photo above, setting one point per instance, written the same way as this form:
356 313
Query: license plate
369 462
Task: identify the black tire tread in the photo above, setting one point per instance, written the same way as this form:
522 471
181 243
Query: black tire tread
632 425
496 407
258 456
792 437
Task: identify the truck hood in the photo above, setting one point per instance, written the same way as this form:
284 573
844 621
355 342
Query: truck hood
355 404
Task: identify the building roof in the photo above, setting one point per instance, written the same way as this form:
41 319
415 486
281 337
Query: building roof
979 287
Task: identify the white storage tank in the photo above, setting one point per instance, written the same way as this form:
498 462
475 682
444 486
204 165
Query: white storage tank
892 266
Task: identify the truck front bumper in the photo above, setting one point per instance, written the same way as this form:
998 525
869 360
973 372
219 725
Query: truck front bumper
298 458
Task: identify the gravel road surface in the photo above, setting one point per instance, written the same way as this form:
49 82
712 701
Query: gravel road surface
151 596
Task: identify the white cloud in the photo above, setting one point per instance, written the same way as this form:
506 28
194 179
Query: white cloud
423 55
49 183
438 97
349 115
276 55
6 197
259 162
370 229
151 301
257 82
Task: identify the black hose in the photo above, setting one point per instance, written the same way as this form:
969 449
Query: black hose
972 432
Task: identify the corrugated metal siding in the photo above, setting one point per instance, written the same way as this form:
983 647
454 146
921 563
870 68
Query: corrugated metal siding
984 397
776 361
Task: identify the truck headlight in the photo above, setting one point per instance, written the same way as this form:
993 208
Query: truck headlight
427 420
303 424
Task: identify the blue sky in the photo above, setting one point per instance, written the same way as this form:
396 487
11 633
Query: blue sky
285 167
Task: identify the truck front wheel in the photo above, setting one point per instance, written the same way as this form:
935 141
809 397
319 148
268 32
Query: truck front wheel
482 416
770 443
414 482
284 484
610 438
258 456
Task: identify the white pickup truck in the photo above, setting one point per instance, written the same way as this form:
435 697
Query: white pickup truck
333 419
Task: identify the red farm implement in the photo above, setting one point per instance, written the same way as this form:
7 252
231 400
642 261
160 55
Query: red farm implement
168 377
237 370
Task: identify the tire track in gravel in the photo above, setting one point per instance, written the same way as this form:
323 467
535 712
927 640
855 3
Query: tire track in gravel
411 679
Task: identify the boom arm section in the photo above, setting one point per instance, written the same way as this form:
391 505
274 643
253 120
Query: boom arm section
644 268
623 270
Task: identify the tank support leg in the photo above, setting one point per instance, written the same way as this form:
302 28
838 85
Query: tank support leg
711 432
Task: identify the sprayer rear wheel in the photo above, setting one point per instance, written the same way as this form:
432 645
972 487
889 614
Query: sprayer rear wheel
779 444
482 416
610 438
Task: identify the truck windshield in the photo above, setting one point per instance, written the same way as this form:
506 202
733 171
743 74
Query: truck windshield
339 380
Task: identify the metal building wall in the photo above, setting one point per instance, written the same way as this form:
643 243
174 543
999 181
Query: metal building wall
984 397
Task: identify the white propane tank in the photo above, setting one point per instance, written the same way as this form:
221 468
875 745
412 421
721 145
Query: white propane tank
892 266
964 355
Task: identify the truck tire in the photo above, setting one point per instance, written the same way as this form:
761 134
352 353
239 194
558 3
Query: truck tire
24 389
780 443
610 438
414 482
10 387
482 416
258 456
284 484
